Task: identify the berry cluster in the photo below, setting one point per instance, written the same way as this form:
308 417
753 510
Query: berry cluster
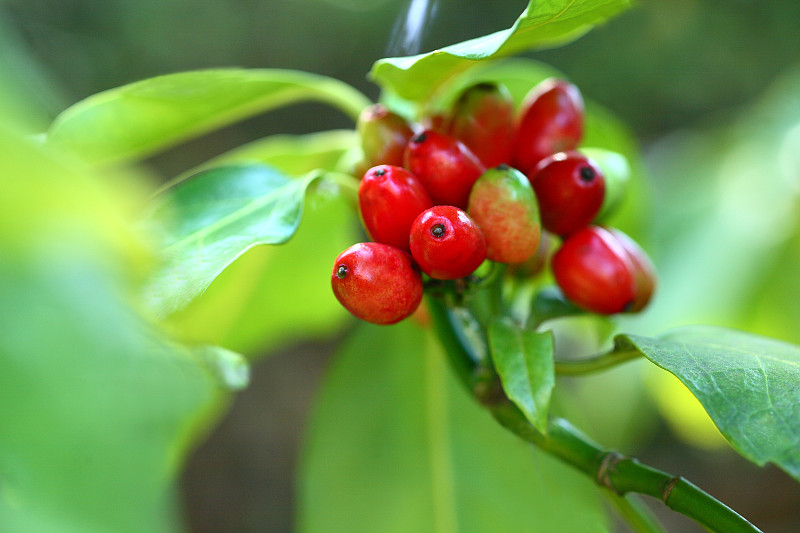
485 182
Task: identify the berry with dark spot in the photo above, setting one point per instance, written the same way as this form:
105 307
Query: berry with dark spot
446 243
389 199
377 282
570 188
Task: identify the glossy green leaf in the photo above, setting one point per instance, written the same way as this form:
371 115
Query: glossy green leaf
208 221
524 361
276 294
748 384
245 309
395 446
543 24
136 120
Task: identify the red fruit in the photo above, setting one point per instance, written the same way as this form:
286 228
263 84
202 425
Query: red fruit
570 188
384 136
376 282
446 167
483 119
446 243
390 198
551 121
644 272
594 272
503 205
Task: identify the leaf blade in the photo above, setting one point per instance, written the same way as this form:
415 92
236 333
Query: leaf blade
207 222
524 361
746 383
543 24
142 118
395 445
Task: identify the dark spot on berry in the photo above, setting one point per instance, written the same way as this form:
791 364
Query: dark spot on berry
420 138
587 173
341 272
628 307
438 230
503 166
380 172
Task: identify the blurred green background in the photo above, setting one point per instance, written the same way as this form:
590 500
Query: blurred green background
711 89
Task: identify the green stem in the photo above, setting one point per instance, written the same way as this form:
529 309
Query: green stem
635 513
595 364
608 468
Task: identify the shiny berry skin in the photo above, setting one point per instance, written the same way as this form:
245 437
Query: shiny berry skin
384 136
389 199
446 243
503 205
570 188
644 272
551 120
483 119
377 282
594 272
446 167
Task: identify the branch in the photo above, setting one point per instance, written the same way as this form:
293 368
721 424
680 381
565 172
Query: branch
596 363
608 468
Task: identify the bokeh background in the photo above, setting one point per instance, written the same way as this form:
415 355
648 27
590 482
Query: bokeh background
710 89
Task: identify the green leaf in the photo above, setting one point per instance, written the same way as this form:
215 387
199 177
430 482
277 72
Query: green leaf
244 308
275 294
97 409
543 24
395 446
524 361
137 120
208 221
748 384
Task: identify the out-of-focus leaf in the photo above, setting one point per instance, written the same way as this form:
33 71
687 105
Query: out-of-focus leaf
524 361
395 445
748 384
97 409
543 24
136 120
208 221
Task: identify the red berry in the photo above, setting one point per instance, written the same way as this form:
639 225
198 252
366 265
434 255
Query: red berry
446 167
483 119
390 198
384 136
593 270
376 282
551 121
644 272
570 189
503 205
446 243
